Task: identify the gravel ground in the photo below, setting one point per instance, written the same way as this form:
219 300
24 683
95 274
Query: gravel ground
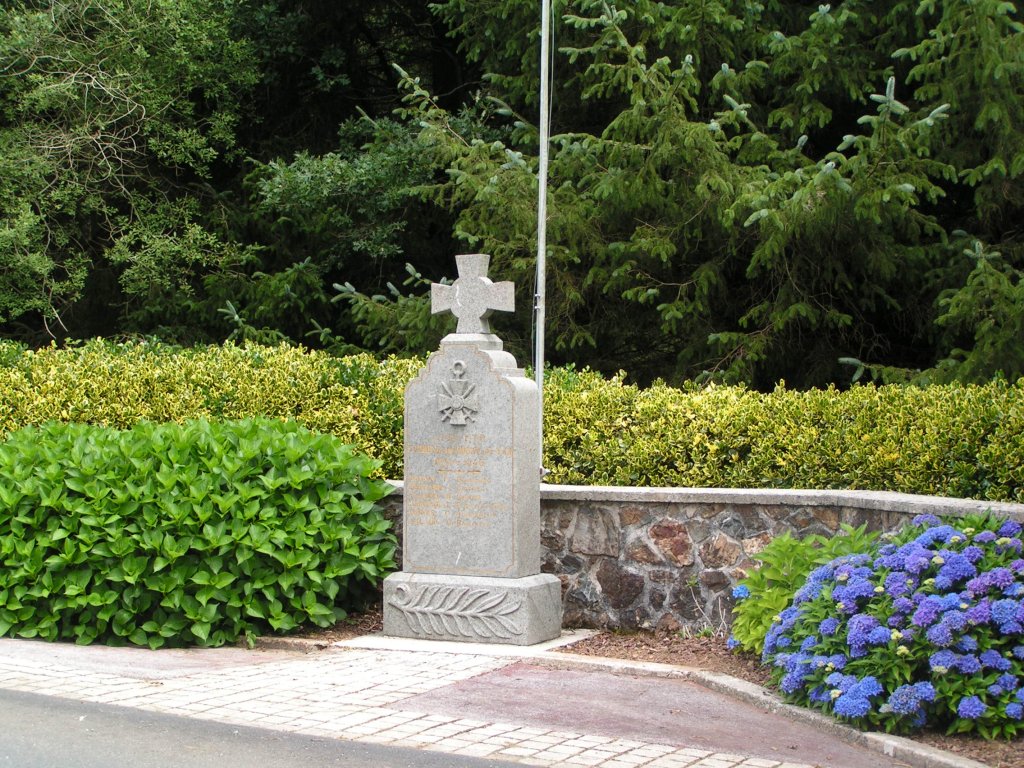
705 652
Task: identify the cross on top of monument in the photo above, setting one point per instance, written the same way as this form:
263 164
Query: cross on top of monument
472 298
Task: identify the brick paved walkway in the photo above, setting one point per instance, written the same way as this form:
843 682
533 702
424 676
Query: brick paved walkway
340 693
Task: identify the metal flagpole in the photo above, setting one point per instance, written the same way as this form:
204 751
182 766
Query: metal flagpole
542 212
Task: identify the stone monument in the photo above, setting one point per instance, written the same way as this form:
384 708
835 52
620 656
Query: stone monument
471 522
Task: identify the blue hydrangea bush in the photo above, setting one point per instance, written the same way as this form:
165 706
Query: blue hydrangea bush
926 629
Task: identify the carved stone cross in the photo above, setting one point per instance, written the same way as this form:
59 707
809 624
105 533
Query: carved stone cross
473 297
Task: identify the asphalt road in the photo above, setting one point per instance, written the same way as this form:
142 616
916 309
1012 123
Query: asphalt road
50 732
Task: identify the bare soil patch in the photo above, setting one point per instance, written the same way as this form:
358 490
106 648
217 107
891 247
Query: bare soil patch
702 651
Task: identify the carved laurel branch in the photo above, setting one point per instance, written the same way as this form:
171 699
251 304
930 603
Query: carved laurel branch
463 611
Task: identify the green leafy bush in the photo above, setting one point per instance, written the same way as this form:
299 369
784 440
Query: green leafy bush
199 533
784 566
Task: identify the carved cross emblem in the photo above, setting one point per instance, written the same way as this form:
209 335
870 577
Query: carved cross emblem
458 401
473 297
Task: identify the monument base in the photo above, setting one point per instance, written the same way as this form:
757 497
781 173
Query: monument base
473 609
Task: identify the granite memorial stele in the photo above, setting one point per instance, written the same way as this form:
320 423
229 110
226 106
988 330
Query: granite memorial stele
471 519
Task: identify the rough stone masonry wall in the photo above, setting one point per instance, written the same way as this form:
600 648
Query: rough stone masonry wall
669 557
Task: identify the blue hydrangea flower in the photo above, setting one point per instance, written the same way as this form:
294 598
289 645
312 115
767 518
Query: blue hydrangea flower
926 519
968 664
993 659
956 620
830 625
908 699
940 534
971 708
1014 710
942 662
955 568
855 699
741 591
966 644
1007 682
1004 611
852 706
732 643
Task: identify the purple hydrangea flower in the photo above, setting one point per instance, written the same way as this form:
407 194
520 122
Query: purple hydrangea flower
973 554
896 584
927 613
1010 528
926 520
940 635
903 605
985 537
980 613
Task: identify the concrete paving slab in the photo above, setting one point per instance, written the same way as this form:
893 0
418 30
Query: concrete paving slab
378 641
139 663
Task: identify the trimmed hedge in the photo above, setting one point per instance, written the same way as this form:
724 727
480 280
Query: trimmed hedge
201 533
951 440
356 398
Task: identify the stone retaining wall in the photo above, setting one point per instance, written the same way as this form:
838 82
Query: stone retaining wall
669 557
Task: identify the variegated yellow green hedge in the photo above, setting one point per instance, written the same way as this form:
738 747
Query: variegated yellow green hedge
948 440
356 398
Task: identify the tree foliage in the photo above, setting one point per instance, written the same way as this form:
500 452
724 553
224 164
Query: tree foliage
755 190
743 191
110 115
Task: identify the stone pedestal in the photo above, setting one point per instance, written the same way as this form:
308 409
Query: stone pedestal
471 538
479 609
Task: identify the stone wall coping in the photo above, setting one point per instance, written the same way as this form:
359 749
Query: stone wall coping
906 503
